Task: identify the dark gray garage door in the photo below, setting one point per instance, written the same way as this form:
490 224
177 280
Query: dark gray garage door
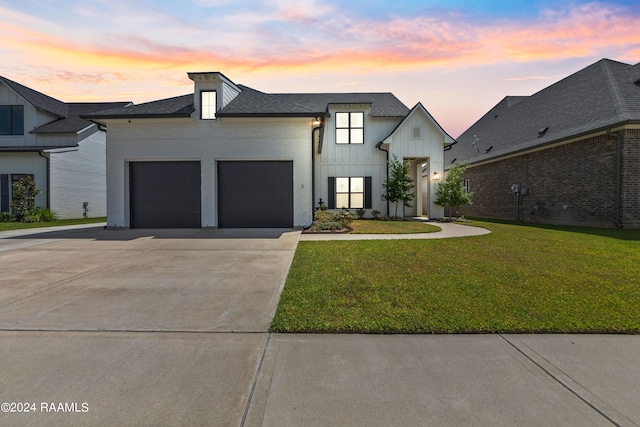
255 194
165 194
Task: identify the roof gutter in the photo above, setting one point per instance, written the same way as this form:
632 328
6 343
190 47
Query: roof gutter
618 179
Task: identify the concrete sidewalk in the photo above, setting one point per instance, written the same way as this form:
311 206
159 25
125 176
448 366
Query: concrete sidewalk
449 230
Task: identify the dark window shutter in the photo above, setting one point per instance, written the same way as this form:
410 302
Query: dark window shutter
367 192
4 193
331 196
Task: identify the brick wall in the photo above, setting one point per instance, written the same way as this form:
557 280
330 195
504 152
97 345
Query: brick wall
568 184
631 178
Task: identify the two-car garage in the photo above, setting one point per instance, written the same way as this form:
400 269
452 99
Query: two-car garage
250 194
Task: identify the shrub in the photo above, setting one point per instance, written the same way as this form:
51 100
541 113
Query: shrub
333 220
24 195
41 215
360 213
7 217
375 214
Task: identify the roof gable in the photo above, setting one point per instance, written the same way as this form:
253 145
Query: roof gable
594 98
419 109
37 99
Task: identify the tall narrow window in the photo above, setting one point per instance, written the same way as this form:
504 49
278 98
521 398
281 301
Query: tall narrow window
350 128
208 104
11 120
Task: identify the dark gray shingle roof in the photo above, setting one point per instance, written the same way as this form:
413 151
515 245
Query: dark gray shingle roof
73 122
253 103
37 99
596 97
179 106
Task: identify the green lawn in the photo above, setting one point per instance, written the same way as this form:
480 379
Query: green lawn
363 226
4 226
518 279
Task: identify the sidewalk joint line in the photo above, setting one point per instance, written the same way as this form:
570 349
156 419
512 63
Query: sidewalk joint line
591 405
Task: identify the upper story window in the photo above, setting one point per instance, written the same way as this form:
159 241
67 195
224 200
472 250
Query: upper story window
11 120
350 128
208 104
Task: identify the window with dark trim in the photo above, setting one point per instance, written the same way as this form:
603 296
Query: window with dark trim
350 128
11 120
208 104
467 185
349 192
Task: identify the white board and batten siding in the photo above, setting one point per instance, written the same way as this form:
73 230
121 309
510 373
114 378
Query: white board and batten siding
354 160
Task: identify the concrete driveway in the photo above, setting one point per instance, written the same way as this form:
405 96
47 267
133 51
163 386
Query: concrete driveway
155 328
136 327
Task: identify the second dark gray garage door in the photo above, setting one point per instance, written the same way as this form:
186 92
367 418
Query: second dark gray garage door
255 194
165 194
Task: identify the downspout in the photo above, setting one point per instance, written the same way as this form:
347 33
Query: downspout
618 179
46 158
313 166
379 146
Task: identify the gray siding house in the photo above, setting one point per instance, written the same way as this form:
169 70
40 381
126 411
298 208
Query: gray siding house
46 139
228 155
569 154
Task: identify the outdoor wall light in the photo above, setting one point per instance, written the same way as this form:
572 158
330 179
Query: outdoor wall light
316 121
436 176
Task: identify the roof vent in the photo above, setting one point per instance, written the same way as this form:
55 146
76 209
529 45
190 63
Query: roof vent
454 160
486 150
542 131
495 117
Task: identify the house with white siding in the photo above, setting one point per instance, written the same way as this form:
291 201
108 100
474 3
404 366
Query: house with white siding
46 139
228 155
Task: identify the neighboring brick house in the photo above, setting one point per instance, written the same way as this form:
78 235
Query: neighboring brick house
569 154
46 139
231 156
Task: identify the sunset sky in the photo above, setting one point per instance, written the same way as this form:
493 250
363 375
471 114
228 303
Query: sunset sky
459 58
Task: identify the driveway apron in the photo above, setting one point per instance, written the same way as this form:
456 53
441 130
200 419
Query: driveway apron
136 327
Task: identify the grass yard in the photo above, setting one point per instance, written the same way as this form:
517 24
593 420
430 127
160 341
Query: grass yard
4 226
518 279
363 226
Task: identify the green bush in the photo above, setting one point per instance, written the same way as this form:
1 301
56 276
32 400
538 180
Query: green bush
7 217
333 220
41 215
24 195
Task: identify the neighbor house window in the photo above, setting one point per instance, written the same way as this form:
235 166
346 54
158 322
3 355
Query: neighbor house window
11 120
208 104
467 185
350 128
349 192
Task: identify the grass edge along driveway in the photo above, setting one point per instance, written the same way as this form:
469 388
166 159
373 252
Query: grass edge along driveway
518 279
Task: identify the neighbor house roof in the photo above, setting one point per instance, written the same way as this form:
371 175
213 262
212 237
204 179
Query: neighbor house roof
73 122
69 120
37 99
253 103
598 97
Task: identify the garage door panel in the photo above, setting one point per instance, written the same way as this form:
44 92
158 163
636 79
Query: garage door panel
165 194
255 194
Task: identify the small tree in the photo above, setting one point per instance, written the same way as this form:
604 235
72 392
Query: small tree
398 187
452 192
24 195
